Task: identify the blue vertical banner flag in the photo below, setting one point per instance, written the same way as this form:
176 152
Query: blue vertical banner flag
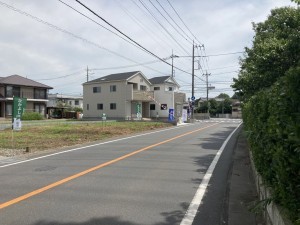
171 115
19 106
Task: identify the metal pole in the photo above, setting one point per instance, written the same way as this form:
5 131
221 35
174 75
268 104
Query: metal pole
87 74
193 80
172 74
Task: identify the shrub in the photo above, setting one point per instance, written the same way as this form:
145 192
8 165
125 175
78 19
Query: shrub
32 116
272 121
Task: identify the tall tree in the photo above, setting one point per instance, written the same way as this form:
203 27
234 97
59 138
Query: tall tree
223 95
275 50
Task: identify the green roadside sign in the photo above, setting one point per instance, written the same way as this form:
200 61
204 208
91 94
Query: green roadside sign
19 106
138 111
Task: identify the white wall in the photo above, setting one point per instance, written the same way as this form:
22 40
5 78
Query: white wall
162 97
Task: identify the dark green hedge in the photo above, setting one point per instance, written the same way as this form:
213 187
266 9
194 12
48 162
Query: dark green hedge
272 121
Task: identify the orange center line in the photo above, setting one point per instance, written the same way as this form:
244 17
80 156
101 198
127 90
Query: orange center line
67 179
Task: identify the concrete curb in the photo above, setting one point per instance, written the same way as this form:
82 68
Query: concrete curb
273 214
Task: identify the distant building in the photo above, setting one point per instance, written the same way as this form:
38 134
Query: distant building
18 86
63 106
236 110
65 100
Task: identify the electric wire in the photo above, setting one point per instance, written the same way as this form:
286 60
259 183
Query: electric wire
152 17
146 29
89 18
170 23
80 38
55 78
128 66
184 23
174 20
145 6
127 36
152 20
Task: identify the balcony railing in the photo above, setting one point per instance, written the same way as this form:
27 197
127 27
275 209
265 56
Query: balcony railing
26 94
143 96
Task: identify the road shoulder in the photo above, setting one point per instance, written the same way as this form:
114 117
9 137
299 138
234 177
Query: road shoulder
242 191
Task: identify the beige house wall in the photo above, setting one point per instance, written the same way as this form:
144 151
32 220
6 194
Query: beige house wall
123 97
105 97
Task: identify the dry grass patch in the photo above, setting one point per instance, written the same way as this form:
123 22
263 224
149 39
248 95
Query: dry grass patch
39 138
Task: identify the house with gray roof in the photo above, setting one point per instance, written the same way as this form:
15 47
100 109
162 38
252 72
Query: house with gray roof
119 96
129 95
17 86
167 96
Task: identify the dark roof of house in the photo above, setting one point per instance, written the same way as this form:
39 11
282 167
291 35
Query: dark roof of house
159 80
22 81
116 76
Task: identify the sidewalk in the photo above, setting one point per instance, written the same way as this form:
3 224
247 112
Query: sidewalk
242 190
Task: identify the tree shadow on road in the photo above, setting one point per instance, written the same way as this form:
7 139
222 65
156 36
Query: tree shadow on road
170 218
174 217
93 221
203 162
215 142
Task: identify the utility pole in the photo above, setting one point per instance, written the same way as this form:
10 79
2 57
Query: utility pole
173 56
207 88
87 74
193 81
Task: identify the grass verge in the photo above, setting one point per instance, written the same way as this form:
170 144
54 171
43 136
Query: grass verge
44 137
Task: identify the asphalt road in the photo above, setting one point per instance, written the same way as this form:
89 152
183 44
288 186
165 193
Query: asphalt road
150 178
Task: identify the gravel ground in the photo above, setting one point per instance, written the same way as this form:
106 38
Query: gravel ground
11 152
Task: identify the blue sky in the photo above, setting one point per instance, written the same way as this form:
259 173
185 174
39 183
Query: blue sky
59 56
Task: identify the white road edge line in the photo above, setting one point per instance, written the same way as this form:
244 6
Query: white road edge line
88 146
189 217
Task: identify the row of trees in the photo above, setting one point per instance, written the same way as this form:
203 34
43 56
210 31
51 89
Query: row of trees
217 107
269 86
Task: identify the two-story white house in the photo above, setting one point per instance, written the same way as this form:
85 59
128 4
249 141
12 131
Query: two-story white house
119 96
130 95
166 96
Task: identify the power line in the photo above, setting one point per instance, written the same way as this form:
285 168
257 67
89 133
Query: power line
231 53
63 30
169 21
147 13
147 29
55 78
127 36
144 5
128 66
233 71
191 39
152 20
76 36
100 25
184 23
219 68
205 56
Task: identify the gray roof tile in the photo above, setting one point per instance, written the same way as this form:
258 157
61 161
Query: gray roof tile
159 80
113 77
22 81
